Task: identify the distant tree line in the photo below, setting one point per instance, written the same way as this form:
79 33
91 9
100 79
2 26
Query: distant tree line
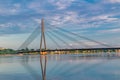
26 50
20 51
8 51
11 51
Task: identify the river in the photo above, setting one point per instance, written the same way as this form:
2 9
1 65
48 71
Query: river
59 67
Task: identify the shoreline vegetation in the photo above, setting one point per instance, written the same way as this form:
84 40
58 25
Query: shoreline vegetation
19 54
11 52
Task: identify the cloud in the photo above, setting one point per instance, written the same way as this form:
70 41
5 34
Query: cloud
36 6
37 20
99 20
64 14
66 17
86 44
15 28
106 17
70 18
91 43
114 1
10 10
41 7
61 4
115 30
6 25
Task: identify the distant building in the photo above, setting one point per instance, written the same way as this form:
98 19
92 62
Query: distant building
1 48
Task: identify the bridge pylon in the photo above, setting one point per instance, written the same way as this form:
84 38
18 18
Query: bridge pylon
42 41
43 56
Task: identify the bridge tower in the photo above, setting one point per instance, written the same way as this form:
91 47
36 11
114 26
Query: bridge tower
43 41
43 56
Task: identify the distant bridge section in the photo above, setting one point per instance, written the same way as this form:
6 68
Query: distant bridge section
113 51
87 50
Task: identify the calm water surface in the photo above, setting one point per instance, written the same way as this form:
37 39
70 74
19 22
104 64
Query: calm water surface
60 67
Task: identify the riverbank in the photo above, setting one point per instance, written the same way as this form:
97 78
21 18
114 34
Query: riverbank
11 54
20 54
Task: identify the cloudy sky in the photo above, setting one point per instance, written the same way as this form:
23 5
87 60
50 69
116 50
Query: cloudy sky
95 19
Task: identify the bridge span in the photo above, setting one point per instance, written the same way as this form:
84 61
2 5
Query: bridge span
76 51
82 50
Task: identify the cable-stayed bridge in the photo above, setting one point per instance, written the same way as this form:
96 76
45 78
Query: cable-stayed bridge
60 40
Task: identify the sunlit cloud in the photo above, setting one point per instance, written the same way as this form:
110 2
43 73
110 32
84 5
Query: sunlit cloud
115 30
114 1
61 4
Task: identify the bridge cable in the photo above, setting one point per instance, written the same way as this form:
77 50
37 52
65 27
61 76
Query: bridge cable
33 35
53 40
52 33
88 39
68 37
83 37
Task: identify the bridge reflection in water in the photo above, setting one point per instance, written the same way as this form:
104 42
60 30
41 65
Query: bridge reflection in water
68 67
43 64
59 67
